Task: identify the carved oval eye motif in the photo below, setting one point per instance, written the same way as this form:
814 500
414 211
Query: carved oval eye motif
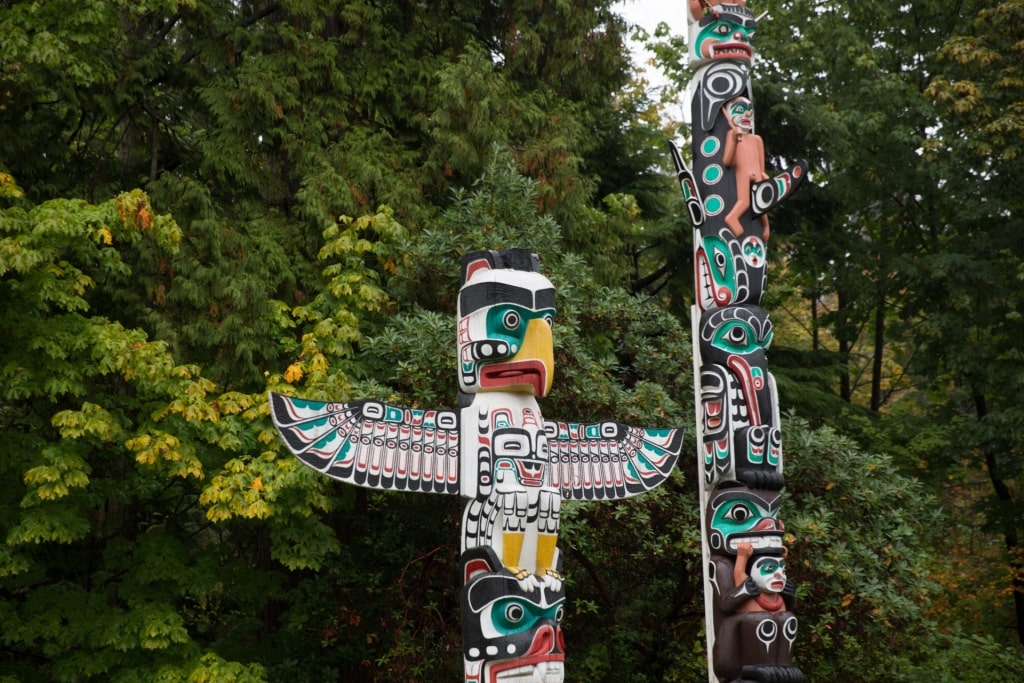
737 335
739 513
511 320
514 613
721 260
722 29
550 320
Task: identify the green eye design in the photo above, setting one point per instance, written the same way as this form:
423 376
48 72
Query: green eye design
511 320
737 516
739 513
512 615
737 336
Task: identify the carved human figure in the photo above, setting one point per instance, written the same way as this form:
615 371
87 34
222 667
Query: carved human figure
768 576
744 153
754 626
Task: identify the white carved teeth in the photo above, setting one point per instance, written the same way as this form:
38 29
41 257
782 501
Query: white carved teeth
758 542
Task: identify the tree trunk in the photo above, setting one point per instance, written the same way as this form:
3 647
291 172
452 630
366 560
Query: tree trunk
879 350
1010 537
845 388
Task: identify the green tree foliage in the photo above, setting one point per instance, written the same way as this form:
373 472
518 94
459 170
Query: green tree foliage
909 226
968 290
309 174
615 359
904 250
258 124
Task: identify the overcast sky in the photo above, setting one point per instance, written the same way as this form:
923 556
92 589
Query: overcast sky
648 13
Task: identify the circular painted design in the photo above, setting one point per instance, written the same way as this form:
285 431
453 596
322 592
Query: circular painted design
714 205
712 174
710 146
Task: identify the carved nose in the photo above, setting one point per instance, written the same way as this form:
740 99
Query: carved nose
544 642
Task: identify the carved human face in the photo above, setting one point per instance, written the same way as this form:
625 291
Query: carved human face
741 114
769 574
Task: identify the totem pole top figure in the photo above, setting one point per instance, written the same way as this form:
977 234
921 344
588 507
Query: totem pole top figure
499 452
505 320
720 31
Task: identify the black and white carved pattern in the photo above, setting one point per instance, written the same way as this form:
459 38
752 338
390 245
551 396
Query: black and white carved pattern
372 444
609 460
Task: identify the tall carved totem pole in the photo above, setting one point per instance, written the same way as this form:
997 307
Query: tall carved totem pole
750 626
497 451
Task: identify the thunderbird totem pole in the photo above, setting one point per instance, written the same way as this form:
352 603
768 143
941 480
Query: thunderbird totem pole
750 628
513 466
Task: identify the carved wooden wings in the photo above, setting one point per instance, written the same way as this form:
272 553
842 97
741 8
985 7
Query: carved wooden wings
372 444
375 445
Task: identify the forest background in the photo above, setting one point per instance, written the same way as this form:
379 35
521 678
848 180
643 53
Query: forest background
201 200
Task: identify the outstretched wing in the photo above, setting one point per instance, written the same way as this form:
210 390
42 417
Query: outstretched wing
372 444
609 460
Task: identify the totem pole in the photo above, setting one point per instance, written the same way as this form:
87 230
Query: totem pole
513 466
748 601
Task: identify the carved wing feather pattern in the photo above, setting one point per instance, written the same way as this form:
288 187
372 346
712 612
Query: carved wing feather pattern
372 444
609 460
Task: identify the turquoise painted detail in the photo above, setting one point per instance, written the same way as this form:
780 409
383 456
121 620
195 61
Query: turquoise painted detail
712 174
736 336
508 323
513 615
738 516
714 205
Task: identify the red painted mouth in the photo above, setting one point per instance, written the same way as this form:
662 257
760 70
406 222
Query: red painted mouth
732 51
531 472
526 373
548 646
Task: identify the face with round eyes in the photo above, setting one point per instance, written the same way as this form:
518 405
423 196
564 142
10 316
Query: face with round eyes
743 515
753 250
511 615
507 324
725 36
769 574
505 340
503 624
741 114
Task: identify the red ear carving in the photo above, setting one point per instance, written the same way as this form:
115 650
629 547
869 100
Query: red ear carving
473 266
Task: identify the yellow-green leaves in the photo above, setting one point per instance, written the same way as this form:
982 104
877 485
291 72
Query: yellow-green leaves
63 472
